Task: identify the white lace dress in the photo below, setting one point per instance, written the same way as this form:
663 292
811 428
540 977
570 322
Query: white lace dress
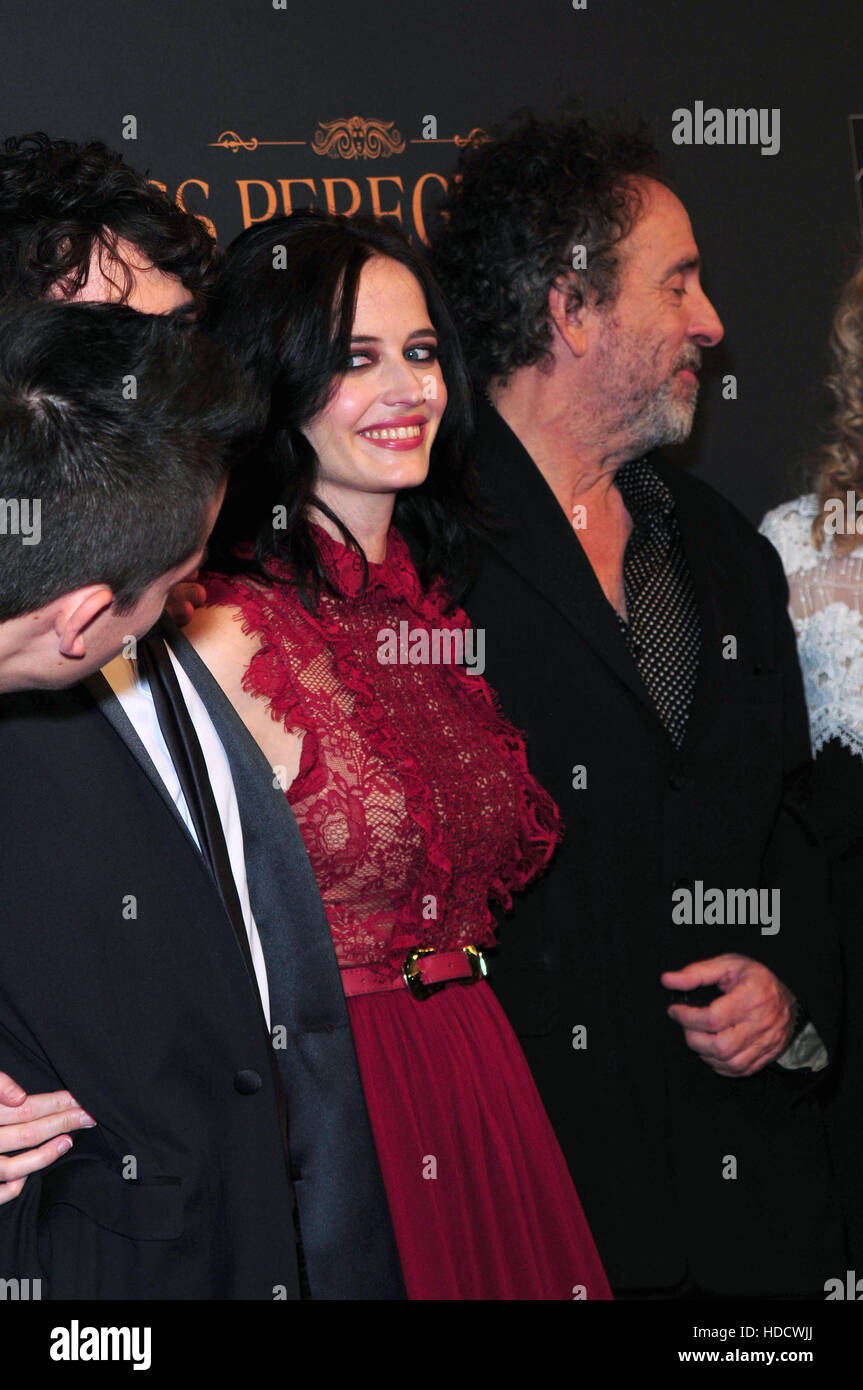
826 606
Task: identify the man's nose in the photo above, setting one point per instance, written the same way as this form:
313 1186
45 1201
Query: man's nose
706 325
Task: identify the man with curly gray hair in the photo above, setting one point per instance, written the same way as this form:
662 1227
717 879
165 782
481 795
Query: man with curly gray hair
673 978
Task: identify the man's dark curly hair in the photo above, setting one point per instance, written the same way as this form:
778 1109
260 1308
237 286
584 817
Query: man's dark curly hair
518 208
59 199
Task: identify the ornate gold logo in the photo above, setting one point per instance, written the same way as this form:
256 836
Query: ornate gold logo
352 137
358 138
230 140
477 136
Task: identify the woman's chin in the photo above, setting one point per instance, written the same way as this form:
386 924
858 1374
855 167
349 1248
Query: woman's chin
400 473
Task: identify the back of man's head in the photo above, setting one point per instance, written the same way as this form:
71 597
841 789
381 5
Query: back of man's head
60 202
542 199
117 430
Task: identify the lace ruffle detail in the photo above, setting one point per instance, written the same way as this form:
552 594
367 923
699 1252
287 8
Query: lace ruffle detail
830 643
826 606
789 529
414 796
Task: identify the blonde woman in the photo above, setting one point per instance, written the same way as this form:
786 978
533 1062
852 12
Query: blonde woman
819 537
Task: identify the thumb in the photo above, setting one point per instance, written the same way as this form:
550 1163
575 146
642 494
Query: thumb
10 1092
700 972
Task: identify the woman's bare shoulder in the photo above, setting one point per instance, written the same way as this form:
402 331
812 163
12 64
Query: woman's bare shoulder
223 643
227 648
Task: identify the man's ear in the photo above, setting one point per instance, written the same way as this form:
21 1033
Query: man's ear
568 312
75 612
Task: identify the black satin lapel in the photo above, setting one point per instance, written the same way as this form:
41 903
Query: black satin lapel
349 1244
531 532
242 750
117 717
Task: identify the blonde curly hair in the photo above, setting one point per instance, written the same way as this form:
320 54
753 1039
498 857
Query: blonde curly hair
840 467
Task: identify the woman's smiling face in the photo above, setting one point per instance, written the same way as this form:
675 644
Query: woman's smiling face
375 434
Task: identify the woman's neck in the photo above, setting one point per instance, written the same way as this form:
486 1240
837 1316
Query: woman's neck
367 516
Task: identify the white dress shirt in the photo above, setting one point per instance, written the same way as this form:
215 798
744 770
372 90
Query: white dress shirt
133 692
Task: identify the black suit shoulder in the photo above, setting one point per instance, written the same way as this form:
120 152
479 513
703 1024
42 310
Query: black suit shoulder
727 532
704 497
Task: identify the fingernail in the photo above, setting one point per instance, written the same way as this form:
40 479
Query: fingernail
64 1145
86 1121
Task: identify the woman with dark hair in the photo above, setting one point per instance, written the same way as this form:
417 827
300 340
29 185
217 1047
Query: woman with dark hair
818 537
342 651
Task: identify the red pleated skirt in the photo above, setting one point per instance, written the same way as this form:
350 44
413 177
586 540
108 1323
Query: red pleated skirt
482 1202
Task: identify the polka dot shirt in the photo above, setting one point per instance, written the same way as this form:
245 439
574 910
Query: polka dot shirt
662 631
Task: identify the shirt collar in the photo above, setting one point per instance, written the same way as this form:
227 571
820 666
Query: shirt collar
643 491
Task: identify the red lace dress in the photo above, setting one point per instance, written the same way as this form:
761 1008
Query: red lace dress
416 807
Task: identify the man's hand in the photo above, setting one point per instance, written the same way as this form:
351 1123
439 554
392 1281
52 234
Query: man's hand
184 599
748 1027
28 1120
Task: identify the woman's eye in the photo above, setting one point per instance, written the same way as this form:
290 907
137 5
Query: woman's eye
422 352
356 360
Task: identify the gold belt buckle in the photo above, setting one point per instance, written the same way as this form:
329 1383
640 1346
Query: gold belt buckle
412 970
412 974
478 967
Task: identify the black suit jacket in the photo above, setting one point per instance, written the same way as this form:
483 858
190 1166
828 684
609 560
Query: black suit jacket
683 1173
123 981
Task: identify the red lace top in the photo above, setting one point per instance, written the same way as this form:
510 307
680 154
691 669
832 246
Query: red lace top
413 795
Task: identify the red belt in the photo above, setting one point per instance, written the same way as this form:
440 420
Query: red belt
424 971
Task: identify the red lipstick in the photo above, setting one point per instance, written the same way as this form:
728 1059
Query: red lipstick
400 432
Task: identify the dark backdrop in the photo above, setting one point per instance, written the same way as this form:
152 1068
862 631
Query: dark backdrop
778 233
